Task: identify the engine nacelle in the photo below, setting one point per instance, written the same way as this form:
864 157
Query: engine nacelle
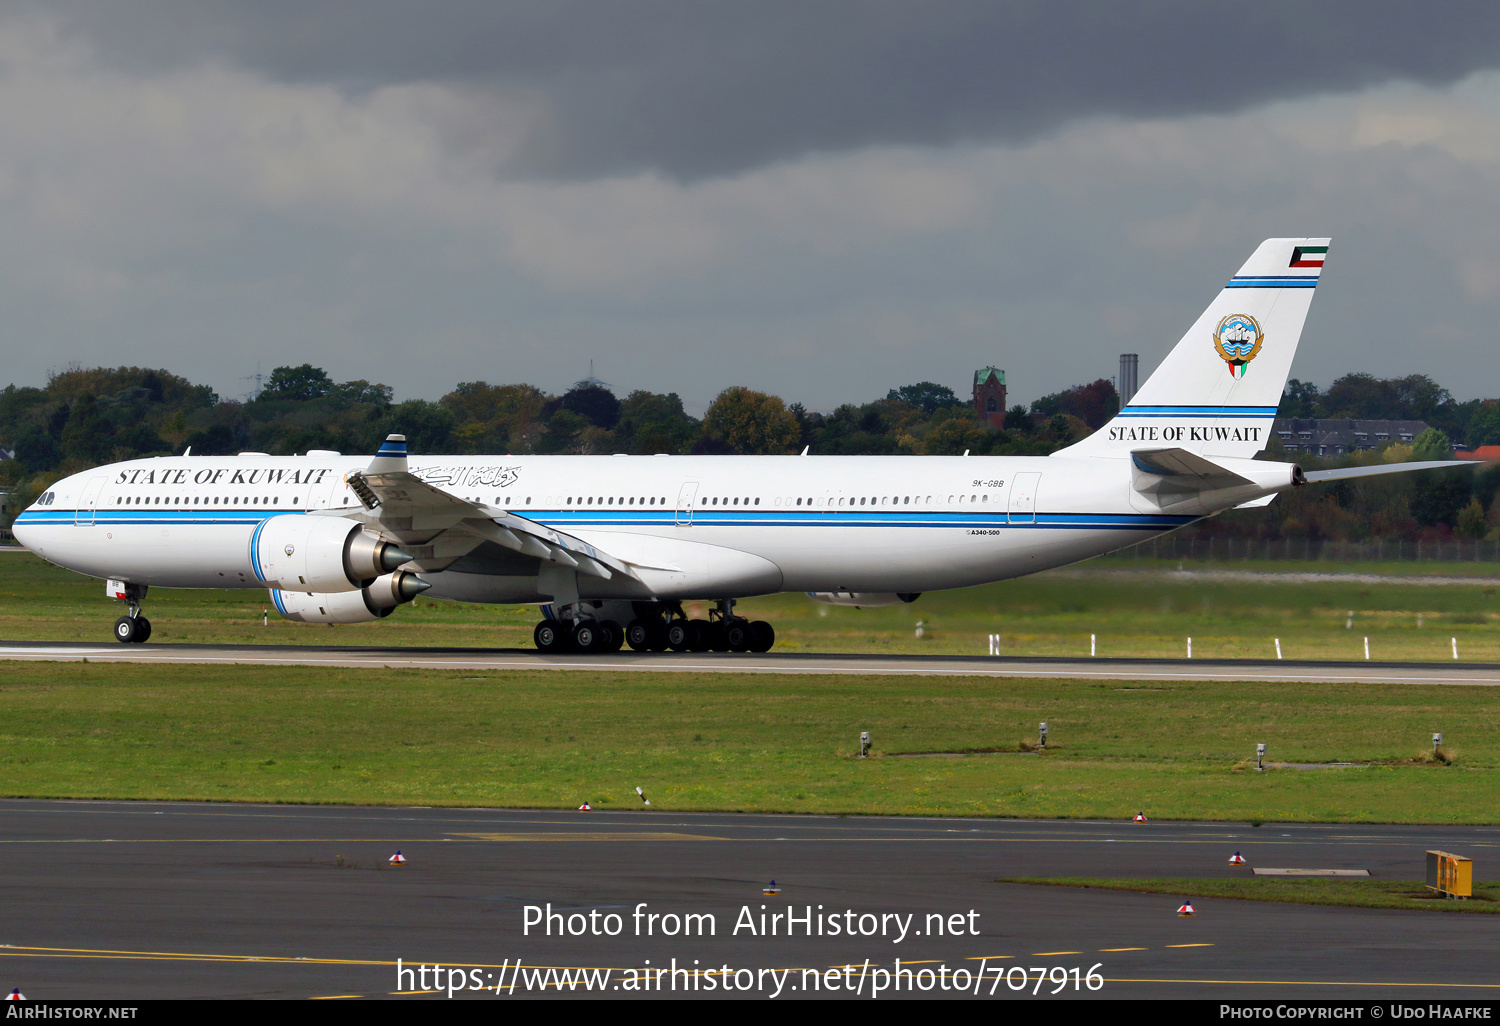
864 598
372 603
325 555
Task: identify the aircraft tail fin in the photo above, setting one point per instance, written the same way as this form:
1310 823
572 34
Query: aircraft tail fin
1217 391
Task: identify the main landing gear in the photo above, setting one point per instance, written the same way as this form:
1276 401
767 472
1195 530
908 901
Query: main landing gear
133 628
657 627
578 636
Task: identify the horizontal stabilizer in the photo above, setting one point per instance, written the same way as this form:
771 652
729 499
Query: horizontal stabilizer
1344 473
1182 471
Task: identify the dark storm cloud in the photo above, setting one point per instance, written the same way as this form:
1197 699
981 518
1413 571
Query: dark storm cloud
708 87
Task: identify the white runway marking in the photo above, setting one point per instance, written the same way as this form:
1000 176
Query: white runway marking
1094 669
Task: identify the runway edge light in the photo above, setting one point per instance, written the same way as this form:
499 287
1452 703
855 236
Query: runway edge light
1140 817
15 995
585 807
1236 859
1186 909
771 890
397 859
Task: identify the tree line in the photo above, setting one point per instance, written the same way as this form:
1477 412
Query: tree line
84 417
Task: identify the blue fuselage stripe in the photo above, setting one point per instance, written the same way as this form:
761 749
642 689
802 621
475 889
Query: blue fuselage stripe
707 517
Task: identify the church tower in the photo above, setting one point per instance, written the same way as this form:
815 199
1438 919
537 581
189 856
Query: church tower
989 395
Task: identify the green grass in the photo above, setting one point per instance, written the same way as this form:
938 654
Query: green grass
1404 894
1131 613
742 742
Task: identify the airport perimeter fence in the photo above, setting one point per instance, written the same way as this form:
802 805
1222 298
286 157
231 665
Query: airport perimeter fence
1226 548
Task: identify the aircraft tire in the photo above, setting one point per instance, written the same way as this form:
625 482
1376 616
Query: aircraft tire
718 637
125 630
638 635
588 636
762 636
682 635
142 630
614 636
702 638
658 635
549 636
737 635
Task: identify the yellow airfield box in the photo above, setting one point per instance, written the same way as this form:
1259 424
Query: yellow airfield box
1450 875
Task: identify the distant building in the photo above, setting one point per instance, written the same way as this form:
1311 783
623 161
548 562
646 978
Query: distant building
1339 437
1130 365
1483 454
989 395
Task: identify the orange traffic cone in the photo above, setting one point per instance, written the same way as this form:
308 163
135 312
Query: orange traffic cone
397 859
1186 909
1236 859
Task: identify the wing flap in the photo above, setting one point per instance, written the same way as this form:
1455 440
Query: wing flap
420 514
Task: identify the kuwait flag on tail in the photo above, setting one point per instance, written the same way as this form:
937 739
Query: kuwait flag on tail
1308 256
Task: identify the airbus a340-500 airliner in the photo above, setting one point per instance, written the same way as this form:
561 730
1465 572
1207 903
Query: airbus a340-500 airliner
610 546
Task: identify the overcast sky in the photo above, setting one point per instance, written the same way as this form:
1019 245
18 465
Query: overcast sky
819 199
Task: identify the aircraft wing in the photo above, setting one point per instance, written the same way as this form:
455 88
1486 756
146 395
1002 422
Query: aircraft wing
438 527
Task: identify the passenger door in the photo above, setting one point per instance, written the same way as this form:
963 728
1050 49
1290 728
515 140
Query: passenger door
1023 498
83 516
685 500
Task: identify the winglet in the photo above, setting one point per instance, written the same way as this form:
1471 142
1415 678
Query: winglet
391 459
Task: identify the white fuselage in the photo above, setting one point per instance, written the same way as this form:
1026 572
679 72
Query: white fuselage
818 523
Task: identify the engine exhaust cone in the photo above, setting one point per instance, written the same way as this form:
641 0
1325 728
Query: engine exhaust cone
409 586
392 556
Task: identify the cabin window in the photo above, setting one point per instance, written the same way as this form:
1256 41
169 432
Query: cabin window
906 501
757 501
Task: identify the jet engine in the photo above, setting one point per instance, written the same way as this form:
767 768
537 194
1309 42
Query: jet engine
320 554
864 598
370 603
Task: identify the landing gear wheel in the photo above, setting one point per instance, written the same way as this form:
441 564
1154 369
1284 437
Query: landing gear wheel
737 635
142 630
125 630
682 635
549 636
762 636
657 641
588 636
718 636
614 636
638 635
702 635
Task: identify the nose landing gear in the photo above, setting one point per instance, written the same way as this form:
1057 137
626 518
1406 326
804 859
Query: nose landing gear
133 628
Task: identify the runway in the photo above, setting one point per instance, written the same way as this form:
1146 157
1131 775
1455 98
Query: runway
150 900
1481 674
